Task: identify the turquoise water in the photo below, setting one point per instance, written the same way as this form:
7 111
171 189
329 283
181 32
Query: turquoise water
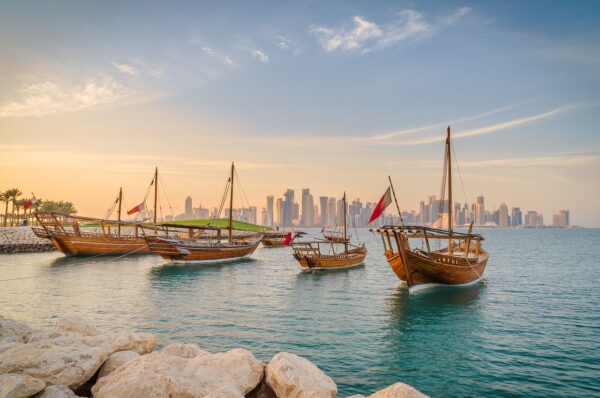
531 329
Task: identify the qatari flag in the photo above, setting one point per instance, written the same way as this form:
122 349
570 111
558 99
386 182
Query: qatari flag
136 209
384 202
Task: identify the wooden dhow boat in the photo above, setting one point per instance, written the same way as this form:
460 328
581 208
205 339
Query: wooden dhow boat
87 236
330 254
462 262
335 235
188 244
279 238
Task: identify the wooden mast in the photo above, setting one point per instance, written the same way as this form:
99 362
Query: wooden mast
450 204
119 213
345 211
396 200
230 221
155 194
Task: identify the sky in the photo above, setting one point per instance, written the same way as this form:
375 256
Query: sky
333 96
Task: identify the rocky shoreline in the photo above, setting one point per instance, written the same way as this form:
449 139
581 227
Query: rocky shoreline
22 240
75 359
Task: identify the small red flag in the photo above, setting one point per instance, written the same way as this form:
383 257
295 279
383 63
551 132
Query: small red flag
136 209
384 202
29 203
287 239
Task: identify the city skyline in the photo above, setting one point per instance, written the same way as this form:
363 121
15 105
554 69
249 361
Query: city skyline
335 97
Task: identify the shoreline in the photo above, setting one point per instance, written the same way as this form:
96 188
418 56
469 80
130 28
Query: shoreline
75 359
15 240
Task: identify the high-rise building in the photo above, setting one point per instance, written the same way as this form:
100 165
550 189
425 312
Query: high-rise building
340 212
308 209
288 208
323 204
269 211
279 208
516 217
189 212
503 216
565 218
331 211
480 211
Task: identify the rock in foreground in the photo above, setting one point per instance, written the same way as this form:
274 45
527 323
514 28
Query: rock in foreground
184 370
19 386
291 376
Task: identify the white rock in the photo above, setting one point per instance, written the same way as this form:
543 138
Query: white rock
77 325
174 373
291 376
19 386
57 392
183 350
12 333
398 390
66 357
115 360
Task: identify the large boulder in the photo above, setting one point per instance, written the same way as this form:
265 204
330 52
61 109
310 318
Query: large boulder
57 392
67 354
291 376
183 370
398 390
19 386
77 325
115 360
12 333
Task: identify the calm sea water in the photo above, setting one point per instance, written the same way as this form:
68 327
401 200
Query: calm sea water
532 328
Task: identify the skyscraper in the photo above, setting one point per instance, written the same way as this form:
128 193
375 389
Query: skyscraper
331 219
308 209
480 211
269 211
288 208
323 204
279 208
189 212
516 216
503 216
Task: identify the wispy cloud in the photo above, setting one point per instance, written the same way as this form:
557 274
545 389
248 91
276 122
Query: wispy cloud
223 58
535 161
490 128
43 98
260 55
126 69
287 44
364 35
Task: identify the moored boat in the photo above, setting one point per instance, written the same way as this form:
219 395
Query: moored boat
462 262
205 244
279 239
329 254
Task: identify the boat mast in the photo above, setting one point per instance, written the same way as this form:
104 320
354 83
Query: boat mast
119 213
230 222
450 204
396 200
155 195
345 211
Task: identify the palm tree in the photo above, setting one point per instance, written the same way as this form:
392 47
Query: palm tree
18 204
4 198
14 194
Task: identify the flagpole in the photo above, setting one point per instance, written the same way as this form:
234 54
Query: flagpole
396 200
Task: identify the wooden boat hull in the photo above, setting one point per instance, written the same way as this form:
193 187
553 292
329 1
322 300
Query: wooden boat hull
273 243
437 269
89 245
352 258
177 251
336 239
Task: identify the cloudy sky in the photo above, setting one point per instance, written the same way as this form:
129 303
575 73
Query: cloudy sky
331 96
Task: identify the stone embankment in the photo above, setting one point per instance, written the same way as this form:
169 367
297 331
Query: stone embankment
75 359
22 240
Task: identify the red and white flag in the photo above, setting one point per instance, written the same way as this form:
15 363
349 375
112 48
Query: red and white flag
30 203
137 209
384 202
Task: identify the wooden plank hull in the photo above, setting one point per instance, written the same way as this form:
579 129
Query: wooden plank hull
437 269
89 246
352 258
273 243
178 251
337 239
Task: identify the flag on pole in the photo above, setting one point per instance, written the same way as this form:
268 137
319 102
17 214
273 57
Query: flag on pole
287 239
30 203
384 202
137 209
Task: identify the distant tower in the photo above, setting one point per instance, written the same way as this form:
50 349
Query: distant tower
323 203
270 200
503 216
189 212
480 211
